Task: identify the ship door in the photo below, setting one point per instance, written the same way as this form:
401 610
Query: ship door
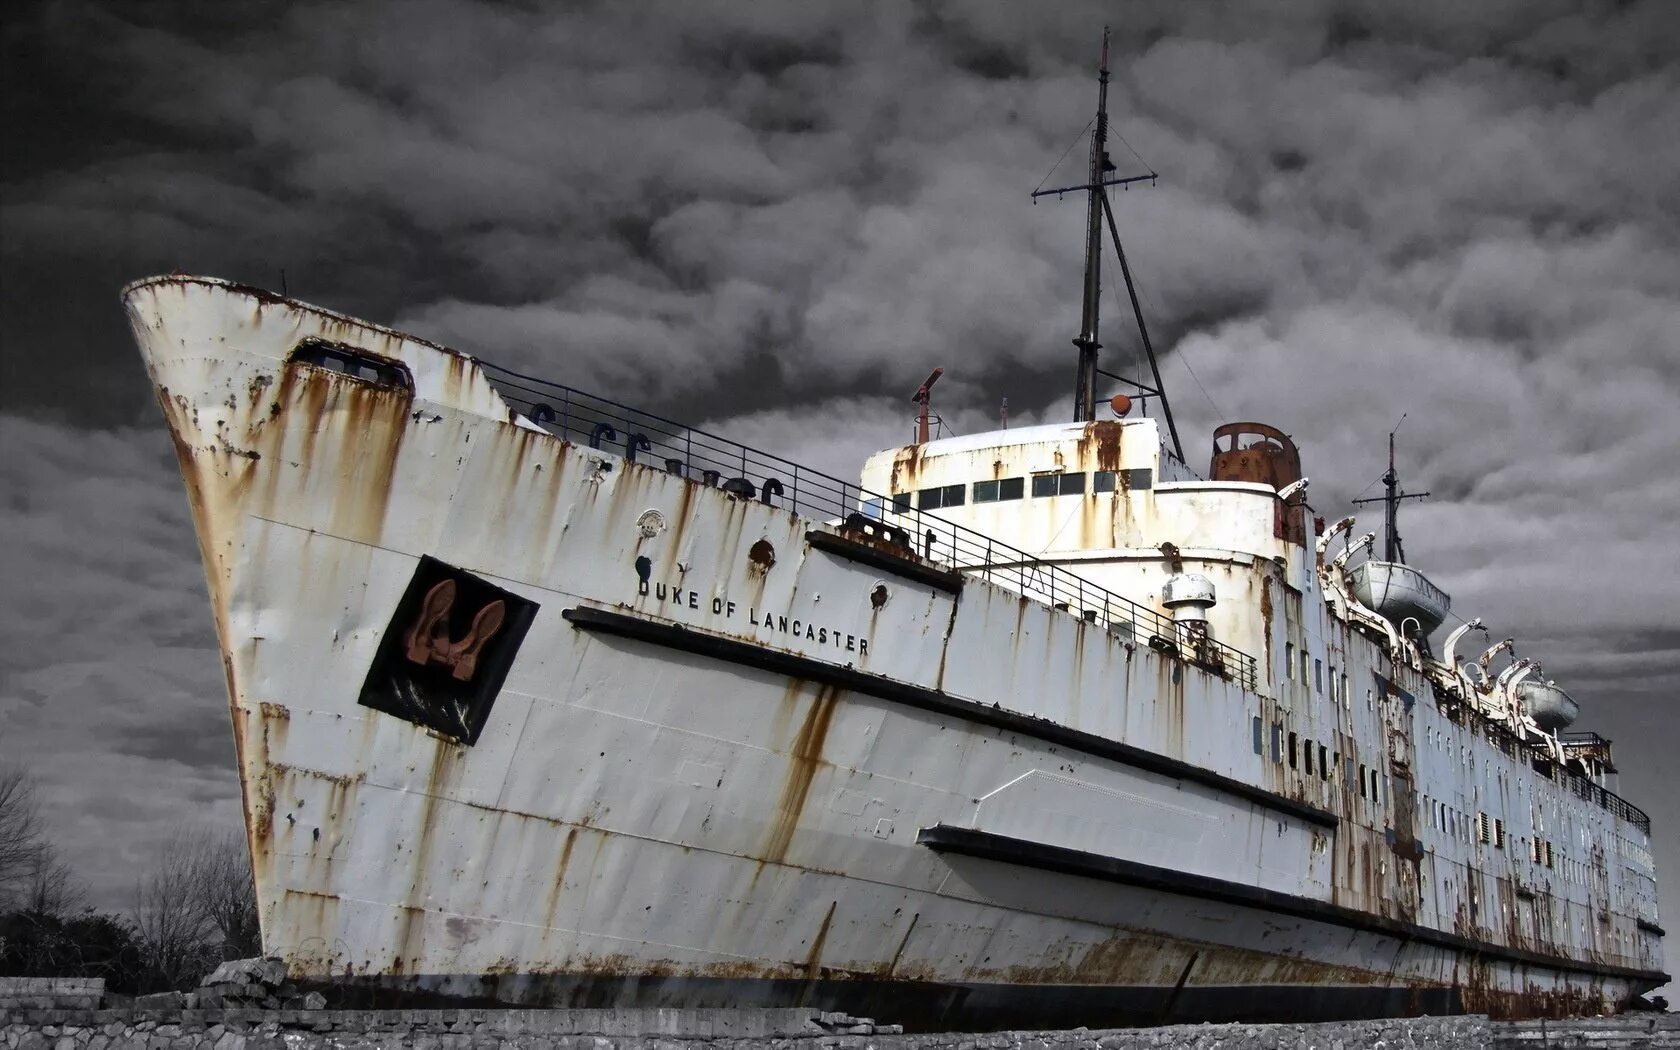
1401 835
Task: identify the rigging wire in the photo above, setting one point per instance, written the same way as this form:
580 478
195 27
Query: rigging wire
1065 153
1146 165
1179 349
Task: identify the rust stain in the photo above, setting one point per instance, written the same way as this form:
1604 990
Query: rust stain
1266 624
804 757
1100 444
906 466
892 964
559 876
813 962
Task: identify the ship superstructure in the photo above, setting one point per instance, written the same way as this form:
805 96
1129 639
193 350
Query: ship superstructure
543 699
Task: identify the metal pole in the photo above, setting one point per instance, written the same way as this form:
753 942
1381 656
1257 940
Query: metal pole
1143 330
1085 384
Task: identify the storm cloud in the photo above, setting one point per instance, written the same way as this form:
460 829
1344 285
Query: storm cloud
775 219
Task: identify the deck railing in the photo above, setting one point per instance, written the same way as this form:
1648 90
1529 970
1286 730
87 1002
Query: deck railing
751 473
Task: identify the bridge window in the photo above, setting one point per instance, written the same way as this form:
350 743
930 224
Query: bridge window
1289 660
1294 751
353 362
900 502
999 490
941 496
1063 484
1256 728
1277 743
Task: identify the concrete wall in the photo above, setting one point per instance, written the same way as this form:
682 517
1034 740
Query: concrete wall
597 1030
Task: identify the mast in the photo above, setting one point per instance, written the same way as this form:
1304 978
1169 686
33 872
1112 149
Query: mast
1085 383
1391 506
1099 210
1393 549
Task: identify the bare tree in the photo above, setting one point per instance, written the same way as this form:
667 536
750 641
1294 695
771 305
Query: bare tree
196 907
169 929
23 846
53 889
224 894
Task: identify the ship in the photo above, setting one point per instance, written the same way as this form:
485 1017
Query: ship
545 700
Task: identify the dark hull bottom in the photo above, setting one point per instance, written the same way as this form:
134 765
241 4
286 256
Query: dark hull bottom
918 1007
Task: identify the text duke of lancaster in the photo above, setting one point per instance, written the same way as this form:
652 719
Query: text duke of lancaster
767 624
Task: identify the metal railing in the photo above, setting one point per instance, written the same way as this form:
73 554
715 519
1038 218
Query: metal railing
750 473
1597 747
1609 800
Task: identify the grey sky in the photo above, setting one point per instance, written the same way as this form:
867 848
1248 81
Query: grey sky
776 218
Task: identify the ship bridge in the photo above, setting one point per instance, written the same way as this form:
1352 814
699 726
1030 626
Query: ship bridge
1110 502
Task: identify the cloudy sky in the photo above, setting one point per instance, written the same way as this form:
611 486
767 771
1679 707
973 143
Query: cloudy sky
777 218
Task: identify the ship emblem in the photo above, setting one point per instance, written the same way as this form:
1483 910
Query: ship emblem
447 650
428 640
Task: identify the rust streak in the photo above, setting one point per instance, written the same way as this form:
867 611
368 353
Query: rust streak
813 962
805 757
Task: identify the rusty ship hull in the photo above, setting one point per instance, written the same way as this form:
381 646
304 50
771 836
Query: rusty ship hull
532 717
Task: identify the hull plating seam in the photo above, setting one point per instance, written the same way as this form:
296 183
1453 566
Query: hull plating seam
985 845
701 644
898 565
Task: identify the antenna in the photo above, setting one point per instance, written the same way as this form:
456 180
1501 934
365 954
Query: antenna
1098 211
924 395
1393 549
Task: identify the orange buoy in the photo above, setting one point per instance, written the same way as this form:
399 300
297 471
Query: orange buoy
1121 404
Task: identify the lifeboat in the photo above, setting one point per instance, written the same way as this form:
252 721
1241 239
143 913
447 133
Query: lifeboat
1398 592
1551 708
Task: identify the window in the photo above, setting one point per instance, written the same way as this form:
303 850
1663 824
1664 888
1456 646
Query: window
1318 675
1289 660
1303 667
872 508
1277 742
1364 784
1294 751
1255 726
1102 481
1065 484
353 362
1498 833
1323 766
1347 702
998 491
1308 757
941 496
900 502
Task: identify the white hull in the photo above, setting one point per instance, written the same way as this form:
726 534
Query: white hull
747 809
